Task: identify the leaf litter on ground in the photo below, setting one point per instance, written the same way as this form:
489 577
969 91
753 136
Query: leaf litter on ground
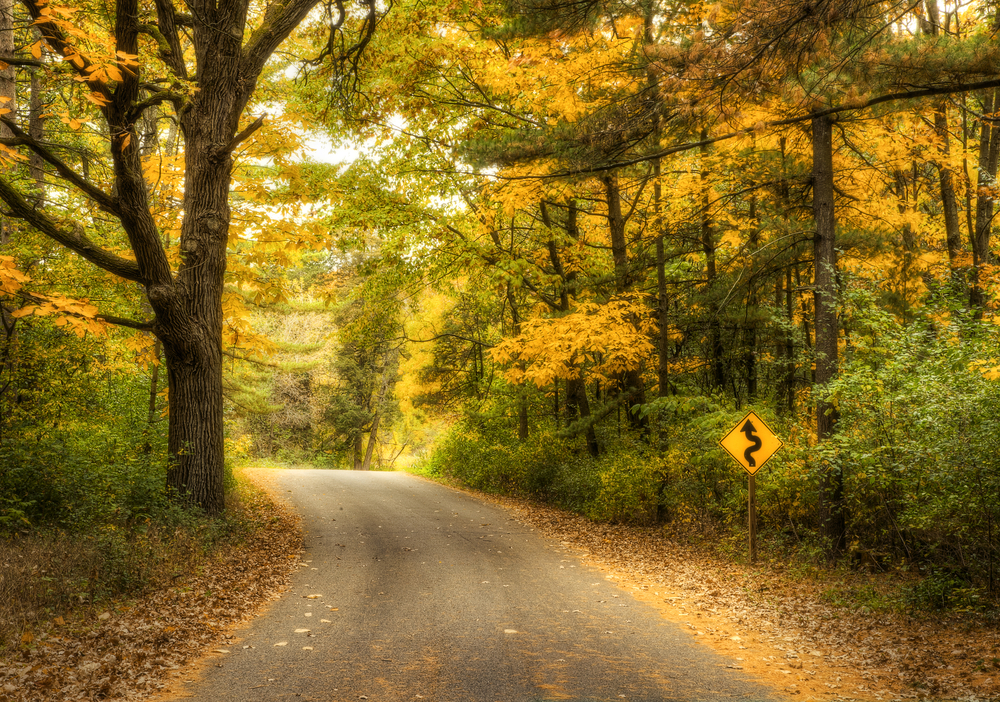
776 626
770 625
139 647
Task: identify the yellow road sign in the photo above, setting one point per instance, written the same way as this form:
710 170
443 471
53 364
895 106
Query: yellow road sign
751 443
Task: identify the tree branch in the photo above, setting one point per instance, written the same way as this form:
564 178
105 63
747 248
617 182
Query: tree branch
73 240
123 322
153 100
105 201
246 133
279 21
13 61
170 50
55 38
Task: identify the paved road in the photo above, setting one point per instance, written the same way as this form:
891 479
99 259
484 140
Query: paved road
425 593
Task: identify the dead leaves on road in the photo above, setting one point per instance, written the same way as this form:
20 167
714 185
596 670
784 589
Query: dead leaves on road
778 628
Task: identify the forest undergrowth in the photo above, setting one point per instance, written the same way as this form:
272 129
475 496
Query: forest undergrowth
89 618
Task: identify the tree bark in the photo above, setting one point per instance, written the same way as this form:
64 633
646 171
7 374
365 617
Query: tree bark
827 329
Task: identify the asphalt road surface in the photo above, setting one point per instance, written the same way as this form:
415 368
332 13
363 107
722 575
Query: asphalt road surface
413 591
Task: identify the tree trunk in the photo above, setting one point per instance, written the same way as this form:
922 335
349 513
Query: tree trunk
718 372
358 450
989 149
629 382
189 313
827 330
577 404
522 392
949 200
388 378
366 464
946 177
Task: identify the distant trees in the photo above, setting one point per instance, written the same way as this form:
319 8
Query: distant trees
730 173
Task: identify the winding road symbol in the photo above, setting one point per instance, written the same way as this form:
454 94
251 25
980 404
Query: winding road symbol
749 430
751 443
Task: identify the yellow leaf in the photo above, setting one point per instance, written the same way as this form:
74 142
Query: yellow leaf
36 49
126 141
98 99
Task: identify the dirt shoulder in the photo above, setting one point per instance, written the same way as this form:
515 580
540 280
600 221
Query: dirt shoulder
777 627
131 649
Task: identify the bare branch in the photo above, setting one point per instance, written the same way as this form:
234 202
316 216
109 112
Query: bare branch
246 133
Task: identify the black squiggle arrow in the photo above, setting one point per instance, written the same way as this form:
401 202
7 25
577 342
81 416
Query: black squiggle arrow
749 429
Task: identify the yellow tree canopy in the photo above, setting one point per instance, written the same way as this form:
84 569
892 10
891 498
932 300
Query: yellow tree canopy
607 339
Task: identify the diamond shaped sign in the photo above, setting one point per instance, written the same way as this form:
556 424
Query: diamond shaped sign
751 443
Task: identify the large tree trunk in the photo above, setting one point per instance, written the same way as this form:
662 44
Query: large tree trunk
189 313
827 329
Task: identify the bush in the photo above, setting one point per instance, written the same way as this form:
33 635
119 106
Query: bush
919 451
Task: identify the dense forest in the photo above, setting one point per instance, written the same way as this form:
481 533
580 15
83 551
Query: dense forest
545 248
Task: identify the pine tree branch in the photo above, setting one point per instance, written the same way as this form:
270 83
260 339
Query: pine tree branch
788 121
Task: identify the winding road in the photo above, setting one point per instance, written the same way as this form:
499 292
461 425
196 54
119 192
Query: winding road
414 591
